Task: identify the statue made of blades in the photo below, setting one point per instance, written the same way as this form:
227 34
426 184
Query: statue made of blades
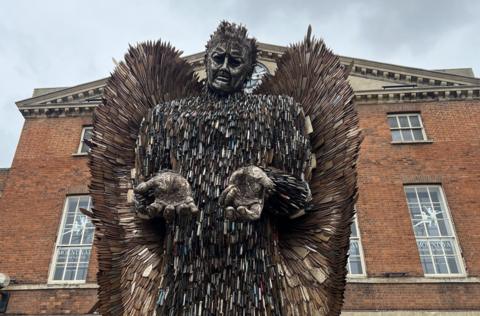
211 201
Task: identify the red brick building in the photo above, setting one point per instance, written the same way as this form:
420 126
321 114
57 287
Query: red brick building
415 249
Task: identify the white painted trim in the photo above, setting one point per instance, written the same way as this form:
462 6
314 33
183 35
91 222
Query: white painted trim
410 128
35 287
415 280
458 250
79 152
360 249
51 273
412 313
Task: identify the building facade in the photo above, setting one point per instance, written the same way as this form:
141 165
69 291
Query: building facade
415 242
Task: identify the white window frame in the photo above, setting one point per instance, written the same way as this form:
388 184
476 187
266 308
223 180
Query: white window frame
58 245
358 238
410 128
453 237
79 149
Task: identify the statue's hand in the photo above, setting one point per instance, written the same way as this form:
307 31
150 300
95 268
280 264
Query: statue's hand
172 194
243 199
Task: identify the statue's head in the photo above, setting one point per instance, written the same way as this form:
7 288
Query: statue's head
229 58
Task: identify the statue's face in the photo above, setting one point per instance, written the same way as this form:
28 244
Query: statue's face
228 65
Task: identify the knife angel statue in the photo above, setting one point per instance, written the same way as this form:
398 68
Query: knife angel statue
212 201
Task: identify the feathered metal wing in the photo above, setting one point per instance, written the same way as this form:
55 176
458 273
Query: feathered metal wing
314 247
128 249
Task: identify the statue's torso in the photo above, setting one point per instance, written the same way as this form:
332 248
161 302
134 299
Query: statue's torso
216 265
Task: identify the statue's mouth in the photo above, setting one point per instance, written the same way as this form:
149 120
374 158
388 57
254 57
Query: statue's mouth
223 77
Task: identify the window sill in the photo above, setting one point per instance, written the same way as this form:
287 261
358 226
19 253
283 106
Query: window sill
426 279
80 154
51 286
356 276
417 142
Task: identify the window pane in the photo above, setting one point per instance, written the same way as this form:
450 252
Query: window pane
423 196
419 228
72 204
436 247
427 265
434 195
62 255
414 121
85 257
66 236
440 264
353 228
448 247
444 229
88 133
88 236
81 273
392 122
403 121
59 272
432 229
453 265
76 237
354 251
73 255
355 267
84 201
414 209
70 272
407 135
396 136
423 247
411 195
417 134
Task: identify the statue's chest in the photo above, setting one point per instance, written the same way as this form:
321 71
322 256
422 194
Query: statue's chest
220 131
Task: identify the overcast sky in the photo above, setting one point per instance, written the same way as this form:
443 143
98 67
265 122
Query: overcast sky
64 43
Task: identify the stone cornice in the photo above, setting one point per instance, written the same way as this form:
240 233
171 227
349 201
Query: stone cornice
83 92
423 94
58 109
405 75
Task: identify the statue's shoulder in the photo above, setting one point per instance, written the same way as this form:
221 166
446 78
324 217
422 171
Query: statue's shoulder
177 103
280 102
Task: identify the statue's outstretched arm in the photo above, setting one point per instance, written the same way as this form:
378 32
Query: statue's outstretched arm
290 196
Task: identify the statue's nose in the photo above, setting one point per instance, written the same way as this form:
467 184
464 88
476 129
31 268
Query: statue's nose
225 64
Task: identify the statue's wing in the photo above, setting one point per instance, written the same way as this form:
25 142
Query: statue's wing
129 250
314 247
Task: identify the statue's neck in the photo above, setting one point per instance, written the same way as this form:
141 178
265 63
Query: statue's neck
218 95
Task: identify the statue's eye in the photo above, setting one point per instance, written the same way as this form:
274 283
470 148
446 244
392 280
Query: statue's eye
218 58
234 62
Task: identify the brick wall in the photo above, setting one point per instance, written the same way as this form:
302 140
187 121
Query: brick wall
412 296
55 301
3 179
452 160
43 172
